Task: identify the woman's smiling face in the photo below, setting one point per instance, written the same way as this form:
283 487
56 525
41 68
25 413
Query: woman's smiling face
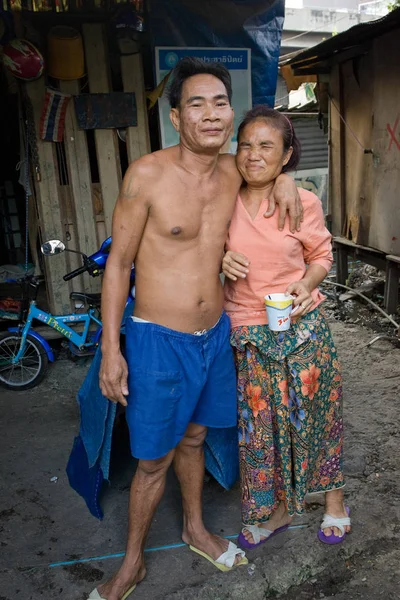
260 155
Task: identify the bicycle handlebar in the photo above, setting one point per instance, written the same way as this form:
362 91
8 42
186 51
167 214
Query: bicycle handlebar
75 273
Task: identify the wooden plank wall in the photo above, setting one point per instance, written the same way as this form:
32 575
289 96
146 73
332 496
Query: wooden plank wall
137 139
364 187
80 186
335 149
50 206
79 211
108 160
384 232
357 89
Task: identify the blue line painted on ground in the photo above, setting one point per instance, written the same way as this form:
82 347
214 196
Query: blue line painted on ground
155 549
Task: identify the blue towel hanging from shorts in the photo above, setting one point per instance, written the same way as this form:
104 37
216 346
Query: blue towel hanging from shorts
89 462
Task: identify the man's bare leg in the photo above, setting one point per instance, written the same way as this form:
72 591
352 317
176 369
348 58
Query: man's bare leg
189 468
146 491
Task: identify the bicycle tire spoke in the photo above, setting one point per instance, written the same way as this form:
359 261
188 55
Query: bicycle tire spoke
12 352
26 369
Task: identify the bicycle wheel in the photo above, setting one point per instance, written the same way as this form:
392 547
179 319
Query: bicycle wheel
31 367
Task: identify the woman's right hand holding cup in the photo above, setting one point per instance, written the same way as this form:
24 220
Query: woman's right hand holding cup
235 265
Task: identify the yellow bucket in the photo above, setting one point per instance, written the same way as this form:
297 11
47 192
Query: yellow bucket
65 54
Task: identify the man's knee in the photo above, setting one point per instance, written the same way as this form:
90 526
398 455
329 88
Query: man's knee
194 436
158 467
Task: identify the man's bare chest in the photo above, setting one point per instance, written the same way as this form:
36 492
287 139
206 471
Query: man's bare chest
187 214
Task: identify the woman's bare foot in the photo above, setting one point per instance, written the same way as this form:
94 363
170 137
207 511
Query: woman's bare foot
279 518
334 506
122 581
207 542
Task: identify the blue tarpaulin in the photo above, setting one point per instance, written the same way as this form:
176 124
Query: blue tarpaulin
254 24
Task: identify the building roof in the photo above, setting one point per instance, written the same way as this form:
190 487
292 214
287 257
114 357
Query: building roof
359 35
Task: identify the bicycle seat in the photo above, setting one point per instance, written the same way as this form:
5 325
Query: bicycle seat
91 299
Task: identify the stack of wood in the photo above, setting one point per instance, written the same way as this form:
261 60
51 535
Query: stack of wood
80 212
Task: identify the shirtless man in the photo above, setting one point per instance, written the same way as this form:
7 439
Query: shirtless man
171 219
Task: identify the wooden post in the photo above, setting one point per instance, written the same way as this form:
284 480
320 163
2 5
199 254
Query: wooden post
80 182
51 218
137 138
33 234
342 155
97 62
342 265
334 154
391 299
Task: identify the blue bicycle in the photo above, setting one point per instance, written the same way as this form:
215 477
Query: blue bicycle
24 353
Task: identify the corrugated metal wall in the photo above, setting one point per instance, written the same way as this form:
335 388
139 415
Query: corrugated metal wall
314 143
281 94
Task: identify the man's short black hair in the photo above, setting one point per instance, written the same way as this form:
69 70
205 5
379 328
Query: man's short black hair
189 66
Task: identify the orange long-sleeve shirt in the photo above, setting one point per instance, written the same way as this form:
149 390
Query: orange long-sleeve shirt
277 258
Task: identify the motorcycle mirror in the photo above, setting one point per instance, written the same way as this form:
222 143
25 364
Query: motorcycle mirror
52 247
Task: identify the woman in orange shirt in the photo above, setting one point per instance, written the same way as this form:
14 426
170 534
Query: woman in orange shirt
289 382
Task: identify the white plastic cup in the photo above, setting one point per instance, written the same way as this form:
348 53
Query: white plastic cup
279 307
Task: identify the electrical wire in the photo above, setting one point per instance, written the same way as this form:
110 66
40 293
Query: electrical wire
347 125
310 31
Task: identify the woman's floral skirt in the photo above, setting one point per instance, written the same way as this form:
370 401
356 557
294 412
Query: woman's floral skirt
290 415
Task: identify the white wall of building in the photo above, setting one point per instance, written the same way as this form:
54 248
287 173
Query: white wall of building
309 22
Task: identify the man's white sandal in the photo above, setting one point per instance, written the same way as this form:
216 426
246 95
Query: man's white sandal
94 595
226 561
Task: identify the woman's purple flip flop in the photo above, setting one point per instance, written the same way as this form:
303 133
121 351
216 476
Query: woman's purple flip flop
257 533
330 521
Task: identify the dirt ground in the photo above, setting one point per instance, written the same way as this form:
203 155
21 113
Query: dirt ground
371 568
44 524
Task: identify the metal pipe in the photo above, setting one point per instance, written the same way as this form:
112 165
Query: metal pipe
375 339
378 308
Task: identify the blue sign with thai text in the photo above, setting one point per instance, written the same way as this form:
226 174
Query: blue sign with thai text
232 59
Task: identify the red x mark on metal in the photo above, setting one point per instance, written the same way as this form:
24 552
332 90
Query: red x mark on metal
392 133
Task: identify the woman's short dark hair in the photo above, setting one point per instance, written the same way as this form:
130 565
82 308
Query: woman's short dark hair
279 121
189 66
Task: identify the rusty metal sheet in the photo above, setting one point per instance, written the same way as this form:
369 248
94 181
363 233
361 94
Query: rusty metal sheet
115 110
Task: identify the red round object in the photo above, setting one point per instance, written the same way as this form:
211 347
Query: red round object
23 59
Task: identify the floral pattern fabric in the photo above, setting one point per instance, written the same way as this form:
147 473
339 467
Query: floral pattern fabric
290 415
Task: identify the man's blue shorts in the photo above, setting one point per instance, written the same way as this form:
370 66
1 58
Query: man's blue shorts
175 379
